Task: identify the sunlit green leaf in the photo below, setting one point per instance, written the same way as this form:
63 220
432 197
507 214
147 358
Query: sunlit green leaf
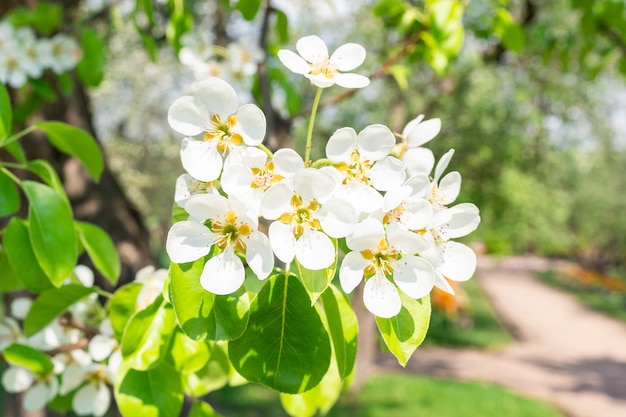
187 355
51 304
202 409
100 249
51 231
343 328
6 113
316 281
75 142
90 69
28 357
21 256
201 314
147 335
122 306
44 170
406 331
285 346
213 375
9 196
248 8
281 26
9 281
156 392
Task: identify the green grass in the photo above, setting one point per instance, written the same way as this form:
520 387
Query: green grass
612 303
482 330
395 395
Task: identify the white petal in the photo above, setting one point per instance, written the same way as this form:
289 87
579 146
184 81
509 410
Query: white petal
312 48
337 218
217 95
315 250
21 305
283 241
417 215
411 125
36 397
387 173
381 297
449 187
287 162
364 198
348 56
420 186
351 80
17 379
405 241
443 284
236 180
276 201
259 255
459 262
201 160
443 164
423 132
72 377
413 275
251 122
375 142
464 219
341 145
207 206
311 183
366 235
100 347
188 241
351 271
182 193
320 80
102 400
293 62
395 196
419 161
223 274
92 399
188 115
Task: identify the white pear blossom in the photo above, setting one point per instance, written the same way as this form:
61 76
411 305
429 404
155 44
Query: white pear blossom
444 190
379 254
152 281
38 390
213 112
62 53
407 204
305 216
419 160
232 230
94 397
255 174
10 332
186 186
323 70
362 165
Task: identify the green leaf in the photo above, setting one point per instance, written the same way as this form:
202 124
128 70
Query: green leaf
76 142
343 328
90 69
51 231
510 32
316 281
147 335
213 375
202 409
9 281
249 8
406 331
6 113
51 304
44 170
201 314
281 26
100 249
401 75
28 357
187 355
285 346
21 256
122 306
156 392
9 196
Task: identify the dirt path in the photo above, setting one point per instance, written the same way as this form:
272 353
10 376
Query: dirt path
566 354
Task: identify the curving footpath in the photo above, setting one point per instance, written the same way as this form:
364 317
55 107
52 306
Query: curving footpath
565 353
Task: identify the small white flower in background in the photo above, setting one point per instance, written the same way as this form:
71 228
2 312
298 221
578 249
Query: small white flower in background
153 281
61 53
379 253
250 179
186 186
244 58
362 165
71 365
94 398
324 70
20 307
10 332
232 230
213 112
12 69
419 160
197 48
305 216
39 389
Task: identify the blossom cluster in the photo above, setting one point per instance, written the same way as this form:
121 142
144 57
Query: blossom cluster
381 198
23 55
82 346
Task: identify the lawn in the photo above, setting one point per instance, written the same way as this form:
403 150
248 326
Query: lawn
395 395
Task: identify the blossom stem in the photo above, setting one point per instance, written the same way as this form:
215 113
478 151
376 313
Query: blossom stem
309 136
322 163
266 150
18 135
10 174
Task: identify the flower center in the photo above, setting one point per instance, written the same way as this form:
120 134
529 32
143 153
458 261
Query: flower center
380 260
97 376
356 170
230 233
302 216
394 214
324 67
223 134
265 178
